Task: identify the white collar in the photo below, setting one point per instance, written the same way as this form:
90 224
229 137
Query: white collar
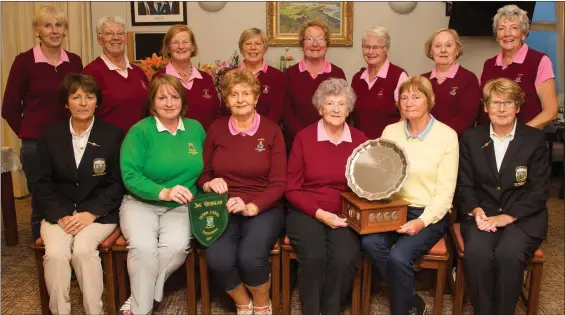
112 66
87 131
161 127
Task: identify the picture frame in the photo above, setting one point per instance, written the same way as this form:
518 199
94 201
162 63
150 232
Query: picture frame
284 19
144 13
141 45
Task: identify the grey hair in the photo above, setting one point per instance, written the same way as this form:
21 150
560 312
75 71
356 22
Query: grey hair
334 86
109 19
512 12
378 32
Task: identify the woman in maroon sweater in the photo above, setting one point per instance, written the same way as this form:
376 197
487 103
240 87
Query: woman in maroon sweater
203 104
31 101
124 85
456 89
377 85
253 46
531 69
255 183
326 249
302 79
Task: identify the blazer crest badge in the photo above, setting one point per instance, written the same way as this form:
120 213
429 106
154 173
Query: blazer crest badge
99 167
521 175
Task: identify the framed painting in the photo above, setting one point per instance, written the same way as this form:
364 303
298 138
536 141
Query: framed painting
284 20
143 45
158 13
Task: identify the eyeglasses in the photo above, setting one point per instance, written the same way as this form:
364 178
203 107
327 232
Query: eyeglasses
112 34
505 104
178 43
315 39
375 47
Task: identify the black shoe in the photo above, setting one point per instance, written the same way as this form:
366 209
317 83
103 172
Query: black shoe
418 306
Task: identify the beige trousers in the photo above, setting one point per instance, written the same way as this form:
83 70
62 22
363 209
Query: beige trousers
82 251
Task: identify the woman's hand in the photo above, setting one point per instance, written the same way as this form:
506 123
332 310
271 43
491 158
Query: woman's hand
491 223
235 205
64 221
331 219
481 220
78 221
412 227
217 185
178 194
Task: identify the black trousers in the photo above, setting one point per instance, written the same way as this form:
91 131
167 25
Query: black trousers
494 266
395 265
241 254
30 165
326 262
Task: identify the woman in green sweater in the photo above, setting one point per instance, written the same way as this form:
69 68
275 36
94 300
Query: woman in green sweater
161 159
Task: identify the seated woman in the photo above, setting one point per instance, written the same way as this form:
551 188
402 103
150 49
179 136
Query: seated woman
161 160
432 150
255 183
502 191
80 190
325 249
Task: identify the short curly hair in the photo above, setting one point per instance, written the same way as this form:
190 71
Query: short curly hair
239 76
311 23
334 86
428 45
512 12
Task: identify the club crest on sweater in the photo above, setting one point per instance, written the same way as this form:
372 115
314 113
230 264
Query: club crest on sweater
265 89
192 149
453 90
260 146
519 78
206 94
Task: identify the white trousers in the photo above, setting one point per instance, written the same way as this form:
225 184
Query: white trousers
158 241
82 251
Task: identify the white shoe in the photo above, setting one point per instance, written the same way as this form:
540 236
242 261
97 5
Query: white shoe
126 308
263 310
245 309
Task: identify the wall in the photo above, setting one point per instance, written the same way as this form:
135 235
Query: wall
217 33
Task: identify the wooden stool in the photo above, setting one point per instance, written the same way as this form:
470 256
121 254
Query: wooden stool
437 258
532 281
274 257
288 253
108 268
121 257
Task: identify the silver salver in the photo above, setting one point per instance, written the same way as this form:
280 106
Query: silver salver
377 169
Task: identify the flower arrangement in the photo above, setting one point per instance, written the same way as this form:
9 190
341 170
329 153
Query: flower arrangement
220 68
152 65
284 60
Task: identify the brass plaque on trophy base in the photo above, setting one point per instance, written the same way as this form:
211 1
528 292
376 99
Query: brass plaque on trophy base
375 171
367 217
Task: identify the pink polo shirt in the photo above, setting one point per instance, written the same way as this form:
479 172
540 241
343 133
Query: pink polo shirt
451 74
327 68
38 56
264 67
250 131
545 68
194 74
383 71
323 134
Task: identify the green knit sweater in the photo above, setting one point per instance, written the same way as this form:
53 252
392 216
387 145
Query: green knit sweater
151 160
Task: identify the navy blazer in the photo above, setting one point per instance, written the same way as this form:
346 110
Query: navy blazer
521 187
95 186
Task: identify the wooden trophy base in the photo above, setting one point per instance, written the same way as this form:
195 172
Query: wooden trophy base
367 217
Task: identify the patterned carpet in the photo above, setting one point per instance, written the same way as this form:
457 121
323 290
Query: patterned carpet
20 293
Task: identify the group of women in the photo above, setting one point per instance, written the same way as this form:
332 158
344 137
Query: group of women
179 141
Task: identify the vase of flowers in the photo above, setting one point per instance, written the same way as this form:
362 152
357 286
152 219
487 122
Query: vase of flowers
152 65
220 68
285 60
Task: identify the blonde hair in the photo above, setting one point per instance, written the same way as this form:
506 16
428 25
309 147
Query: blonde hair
109 19
311 23
239 76
505 88
419 84
48 10
378 32
250 32
512 12
429 42
168 80
172 32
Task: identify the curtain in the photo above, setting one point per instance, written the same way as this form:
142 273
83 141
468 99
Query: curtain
21 37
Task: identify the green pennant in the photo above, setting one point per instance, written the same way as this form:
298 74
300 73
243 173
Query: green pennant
208 217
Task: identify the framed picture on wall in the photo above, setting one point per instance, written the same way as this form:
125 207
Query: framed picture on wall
142 45
158 13
284 20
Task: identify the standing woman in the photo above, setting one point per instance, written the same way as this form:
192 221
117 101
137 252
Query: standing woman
302 79
377 85
531 69
239 259
253 46
30 101
124 85
179 46
456 89
161 159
